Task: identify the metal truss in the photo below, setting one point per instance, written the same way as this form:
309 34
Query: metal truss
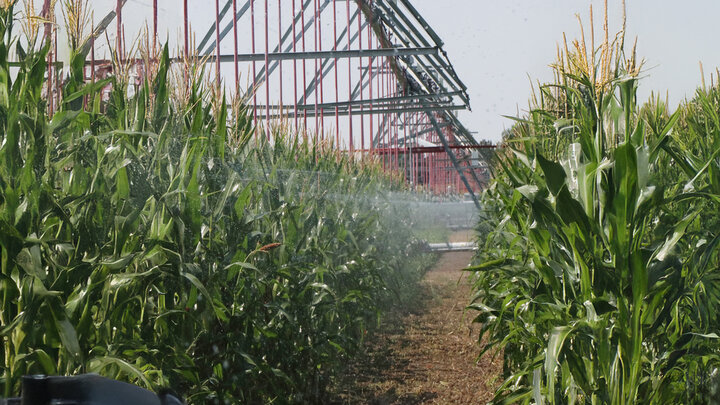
378 85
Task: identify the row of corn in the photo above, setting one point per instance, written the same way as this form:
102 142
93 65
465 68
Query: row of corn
599 278
154 239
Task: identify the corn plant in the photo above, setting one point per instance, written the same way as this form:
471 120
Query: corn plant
593 294
148 239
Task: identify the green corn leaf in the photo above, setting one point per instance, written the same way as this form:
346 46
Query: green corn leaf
678 232
554 174
99 364
242 201
218 308
45 361
690 185
122 183
66 331
492 264
7 329
29 259
555 345
86 90
118 264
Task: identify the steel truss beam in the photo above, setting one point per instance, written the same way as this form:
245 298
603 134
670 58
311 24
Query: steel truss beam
356 53
413 88
385 100
428 149
452 157
310 112
402 30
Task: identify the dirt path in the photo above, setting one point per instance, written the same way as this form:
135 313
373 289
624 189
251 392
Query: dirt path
467 235
427 353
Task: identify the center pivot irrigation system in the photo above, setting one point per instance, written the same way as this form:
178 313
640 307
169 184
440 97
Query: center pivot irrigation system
369 76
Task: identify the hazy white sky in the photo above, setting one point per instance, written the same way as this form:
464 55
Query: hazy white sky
495 45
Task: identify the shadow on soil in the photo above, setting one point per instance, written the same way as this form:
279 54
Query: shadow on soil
376 372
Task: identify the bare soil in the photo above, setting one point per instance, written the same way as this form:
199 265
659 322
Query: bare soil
427 352
467 235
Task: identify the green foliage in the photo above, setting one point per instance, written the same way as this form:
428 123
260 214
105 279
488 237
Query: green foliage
137 243
600 274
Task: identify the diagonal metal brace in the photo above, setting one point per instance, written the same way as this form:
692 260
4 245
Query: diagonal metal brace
451 155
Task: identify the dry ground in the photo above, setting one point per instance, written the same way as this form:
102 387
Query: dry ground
426 354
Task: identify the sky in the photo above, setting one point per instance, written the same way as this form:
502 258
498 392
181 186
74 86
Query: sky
498 46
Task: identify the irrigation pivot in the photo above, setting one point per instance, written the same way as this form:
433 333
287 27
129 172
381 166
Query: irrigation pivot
377 84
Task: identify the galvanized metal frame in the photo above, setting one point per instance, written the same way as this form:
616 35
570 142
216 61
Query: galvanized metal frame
402 98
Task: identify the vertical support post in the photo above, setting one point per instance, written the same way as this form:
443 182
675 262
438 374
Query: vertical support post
415 157
429 168
435 169
420 158
444 172
48 15
370 87
396 126
254 65
235 46
92 51
155 26
267 70
118 20
432 168
381 125
350 111
280 62
388 121
45 13
58 89
318 23
401 135
295 81
381 94
413 172
186 30
337 90
362 116
315 47
217 44
304 68
186 49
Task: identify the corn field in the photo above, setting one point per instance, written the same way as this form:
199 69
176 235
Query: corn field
599 278
150 239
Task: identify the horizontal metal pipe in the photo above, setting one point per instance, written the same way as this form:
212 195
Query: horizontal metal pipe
426 149
331 112
464 169
397 107
357 53
356 103
451 247
276 56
